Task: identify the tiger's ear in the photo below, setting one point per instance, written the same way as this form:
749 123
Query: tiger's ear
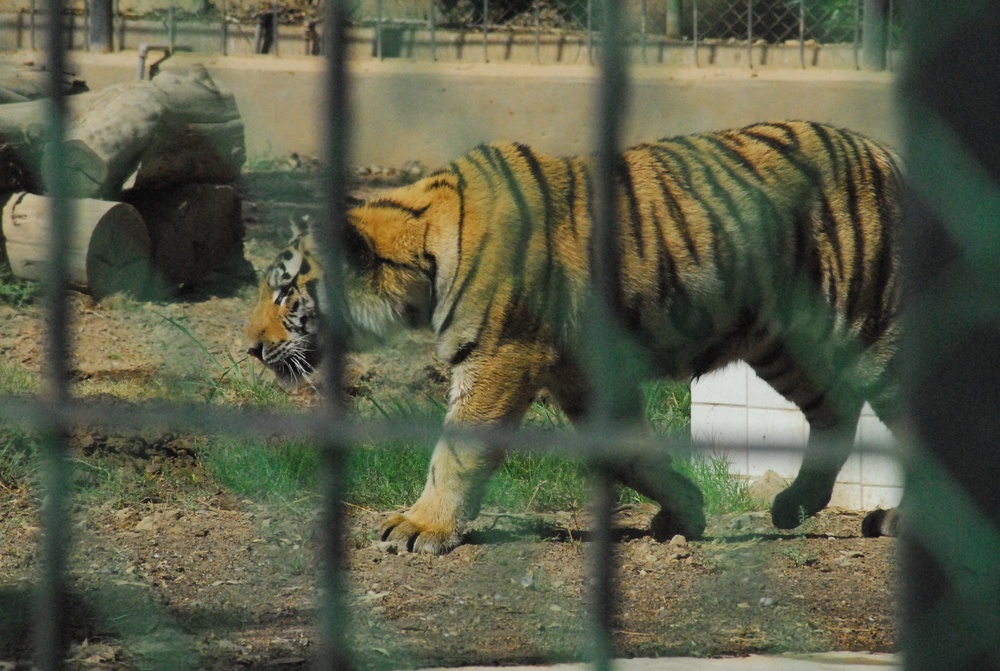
300 226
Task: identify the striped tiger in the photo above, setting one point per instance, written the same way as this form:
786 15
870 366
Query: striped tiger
774 244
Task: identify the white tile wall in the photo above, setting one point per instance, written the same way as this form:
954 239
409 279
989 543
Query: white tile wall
740 416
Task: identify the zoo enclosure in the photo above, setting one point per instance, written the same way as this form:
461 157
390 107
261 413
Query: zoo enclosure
953 539
790 33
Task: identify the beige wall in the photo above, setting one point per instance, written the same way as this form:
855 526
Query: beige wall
433 112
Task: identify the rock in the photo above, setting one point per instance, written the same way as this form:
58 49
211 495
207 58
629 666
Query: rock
768 486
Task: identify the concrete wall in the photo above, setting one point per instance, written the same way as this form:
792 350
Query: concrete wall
433 112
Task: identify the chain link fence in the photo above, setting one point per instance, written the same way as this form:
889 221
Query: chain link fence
659 31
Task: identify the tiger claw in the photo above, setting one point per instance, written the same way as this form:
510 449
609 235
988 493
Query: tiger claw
400 534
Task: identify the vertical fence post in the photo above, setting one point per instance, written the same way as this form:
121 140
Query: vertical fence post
275 29
749 33
802 34
334 611
642 31
694 31
102 17
889 21
538 31
223 30
873 35
433 21
672 19
378 29
486 15
602 341
171 26
50 623
857 34
951 542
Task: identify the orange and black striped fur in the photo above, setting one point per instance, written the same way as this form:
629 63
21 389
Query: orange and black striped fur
774 244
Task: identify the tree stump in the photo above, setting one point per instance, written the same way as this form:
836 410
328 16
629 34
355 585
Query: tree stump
194 229
109 251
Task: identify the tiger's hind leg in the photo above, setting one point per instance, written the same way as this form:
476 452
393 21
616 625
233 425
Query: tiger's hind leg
826 452
487 390
682 506
832 410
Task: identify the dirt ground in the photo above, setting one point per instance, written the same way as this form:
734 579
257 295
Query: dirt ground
191 576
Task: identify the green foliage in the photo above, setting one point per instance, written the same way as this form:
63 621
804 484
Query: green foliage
15 291
285 470
18 456
232 381
723 492
16 380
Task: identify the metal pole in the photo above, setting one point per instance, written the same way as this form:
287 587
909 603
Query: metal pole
601 333
538 31
486 13
857 34
433 21
51 603
171 26
802 33
334 611
873 37
378 30
642 32
888 39
694 30
590 31
951 338
274 28
224 29
31 32
750 33
672 16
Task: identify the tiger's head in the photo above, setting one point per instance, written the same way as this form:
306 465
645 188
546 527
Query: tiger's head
387 284
283 328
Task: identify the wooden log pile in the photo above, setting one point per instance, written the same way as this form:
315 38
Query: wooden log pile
151 168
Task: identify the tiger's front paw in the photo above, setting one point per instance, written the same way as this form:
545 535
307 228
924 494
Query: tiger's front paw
400 533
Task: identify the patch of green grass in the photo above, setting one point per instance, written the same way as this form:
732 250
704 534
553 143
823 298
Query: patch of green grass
271 470
724 493
668 405
18 458
392 475
232 381
16 380
15 291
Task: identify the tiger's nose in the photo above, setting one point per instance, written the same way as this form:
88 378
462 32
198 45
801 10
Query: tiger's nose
256 351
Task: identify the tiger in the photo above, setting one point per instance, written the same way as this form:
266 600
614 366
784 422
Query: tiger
774 244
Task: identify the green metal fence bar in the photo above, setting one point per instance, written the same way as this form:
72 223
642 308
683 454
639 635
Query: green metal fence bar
51 623
602 342
951 547
334 620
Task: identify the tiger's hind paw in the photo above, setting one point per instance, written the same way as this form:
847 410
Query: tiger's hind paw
401 534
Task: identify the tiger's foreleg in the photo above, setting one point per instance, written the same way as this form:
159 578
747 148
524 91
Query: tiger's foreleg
493 390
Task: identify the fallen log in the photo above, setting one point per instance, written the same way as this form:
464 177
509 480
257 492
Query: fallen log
194 230
109 250
178 127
